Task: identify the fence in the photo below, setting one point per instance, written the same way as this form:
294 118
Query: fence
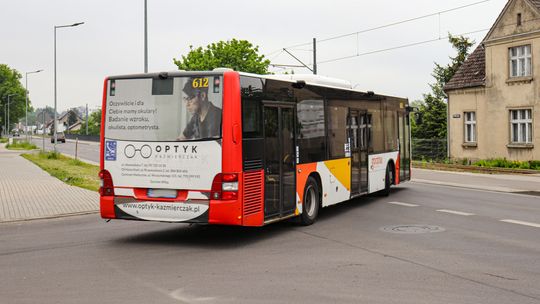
83 137
429 149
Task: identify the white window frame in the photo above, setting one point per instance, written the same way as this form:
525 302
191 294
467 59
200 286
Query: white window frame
469 119
521 126
520 60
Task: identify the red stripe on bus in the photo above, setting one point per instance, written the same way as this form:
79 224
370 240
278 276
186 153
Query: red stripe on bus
102 131
230 212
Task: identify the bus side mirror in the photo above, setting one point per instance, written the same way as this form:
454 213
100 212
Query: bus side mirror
299 84
418 118
410 109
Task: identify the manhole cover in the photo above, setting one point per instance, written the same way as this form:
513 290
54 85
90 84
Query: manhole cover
412 229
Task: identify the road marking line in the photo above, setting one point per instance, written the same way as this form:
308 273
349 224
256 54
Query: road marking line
522 223
403 204
456 212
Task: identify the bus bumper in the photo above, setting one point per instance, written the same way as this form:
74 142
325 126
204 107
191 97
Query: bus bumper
191 211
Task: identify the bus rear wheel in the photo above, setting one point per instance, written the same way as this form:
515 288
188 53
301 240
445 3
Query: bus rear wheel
311 202
388 180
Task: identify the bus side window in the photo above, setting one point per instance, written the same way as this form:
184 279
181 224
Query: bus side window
376 131
251 118
337 131
310 130
369 133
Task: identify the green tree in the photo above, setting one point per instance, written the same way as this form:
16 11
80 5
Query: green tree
10 85
432 110
239 55
94 123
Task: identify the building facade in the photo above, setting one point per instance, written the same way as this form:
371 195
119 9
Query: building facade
494 98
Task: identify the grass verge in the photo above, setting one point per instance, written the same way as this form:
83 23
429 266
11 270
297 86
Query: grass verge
3 140
21 145
470 168
71 171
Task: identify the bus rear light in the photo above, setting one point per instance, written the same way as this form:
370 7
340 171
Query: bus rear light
229 177
229 195
225 186
106 186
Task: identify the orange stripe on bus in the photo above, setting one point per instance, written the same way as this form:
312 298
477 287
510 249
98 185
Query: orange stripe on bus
302 173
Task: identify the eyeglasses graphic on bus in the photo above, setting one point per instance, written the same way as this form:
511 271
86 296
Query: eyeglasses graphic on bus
130 151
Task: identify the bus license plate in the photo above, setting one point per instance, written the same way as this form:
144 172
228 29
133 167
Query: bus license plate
161 193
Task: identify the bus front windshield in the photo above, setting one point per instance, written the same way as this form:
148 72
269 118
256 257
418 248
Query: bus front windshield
172 109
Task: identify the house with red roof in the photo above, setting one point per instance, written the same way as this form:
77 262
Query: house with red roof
494 97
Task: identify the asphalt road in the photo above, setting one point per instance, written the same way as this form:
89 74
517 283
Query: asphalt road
85 150
356 253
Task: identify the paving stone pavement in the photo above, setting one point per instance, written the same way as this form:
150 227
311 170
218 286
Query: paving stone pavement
27 192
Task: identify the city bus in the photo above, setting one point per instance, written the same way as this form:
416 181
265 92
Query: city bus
232 148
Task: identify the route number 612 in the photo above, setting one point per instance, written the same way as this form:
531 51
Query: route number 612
200 83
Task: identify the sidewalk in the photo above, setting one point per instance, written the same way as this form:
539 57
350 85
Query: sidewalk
526 183
27 192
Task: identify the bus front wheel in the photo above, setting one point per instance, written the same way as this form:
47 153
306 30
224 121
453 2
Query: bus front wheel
310 208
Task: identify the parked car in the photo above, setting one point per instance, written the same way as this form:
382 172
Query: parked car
60 136
15 133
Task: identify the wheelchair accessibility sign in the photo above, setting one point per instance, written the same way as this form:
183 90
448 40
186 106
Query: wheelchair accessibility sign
110 150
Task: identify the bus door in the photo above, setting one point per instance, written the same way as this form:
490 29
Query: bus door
404 146
279 166
358 141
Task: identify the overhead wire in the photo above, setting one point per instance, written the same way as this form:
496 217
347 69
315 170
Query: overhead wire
386 25
397 47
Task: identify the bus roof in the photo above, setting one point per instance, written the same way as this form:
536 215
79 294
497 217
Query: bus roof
317 80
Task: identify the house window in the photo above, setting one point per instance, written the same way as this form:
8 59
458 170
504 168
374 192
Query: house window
470 127
520 61
521 126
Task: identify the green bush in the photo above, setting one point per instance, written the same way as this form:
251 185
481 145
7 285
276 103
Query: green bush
21 145
535 164
510 164
49 155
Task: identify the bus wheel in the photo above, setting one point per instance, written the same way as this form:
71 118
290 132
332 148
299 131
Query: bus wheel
310 209
388 180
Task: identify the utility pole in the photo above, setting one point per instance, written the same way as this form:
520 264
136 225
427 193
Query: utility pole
86 119
43 128
314 69
55 108
314 56
26 103
9 132
5 119
145 38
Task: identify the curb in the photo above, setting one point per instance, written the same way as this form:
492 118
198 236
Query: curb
468 186
56 216
81 159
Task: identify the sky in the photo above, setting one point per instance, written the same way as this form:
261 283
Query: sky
111 40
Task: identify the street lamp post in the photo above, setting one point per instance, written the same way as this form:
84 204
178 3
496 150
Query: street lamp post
26 106
43 128
145 38
5 118
54 121
8 102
